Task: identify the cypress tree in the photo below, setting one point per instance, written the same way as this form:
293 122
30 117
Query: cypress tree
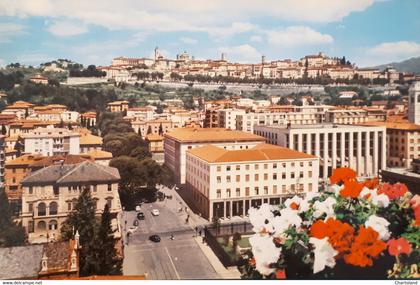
11 234
160 129
108 262
82 219
149 130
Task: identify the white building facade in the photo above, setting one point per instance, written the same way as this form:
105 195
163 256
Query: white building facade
362 148
226 183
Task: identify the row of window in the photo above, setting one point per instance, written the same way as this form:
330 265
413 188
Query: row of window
256 191
274 176
42 226
265 166
70 189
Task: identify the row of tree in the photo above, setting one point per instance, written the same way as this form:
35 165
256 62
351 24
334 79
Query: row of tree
143 75
90 71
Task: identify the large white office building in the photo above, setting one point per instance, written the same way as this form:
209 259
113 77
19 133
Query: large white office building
362 148
226 183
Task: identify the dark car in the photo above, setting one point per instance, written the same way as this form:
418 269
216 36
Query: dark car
140 216
154 238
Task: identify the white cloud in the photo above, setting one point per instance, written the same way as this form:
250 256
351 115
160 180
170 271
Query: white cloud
298 35
256 39
189 41
220 33
219 17
396 49
9 30
242 53
67 28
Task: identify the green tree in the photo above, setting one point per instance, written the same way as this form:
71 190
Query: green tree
108 263
82 220
11 234
160 129
140 152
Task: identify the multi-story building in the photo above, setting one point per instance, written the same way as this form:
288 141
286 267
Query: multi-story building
20 109
346 116
227 118
154 126
2 160
89 142
211 119
362 148
51 141
178 141
414 103
51 193
118 106
226 183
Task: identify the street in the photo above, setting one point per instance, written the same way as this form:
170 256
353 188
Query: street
180 258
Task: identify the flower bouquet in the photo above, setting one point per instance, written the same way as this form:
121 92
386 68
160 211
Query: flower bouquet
354 229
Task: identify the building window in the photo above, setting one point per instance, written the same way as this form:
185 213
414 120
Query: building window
109 187
256 190
228 178
274 176
246 191
238 192
274 165
42 209
310 174
30 207
219 193
227 168
301 174
69 189
256 166
219 168
283 175
256 177
310 187
53 208
247 177
95 188
265 190
292 175
31 190
247 167
52 225
238 167
265 176
228 193
283 189
274 189
219 179
42 226
69 206
109 202
55 190
238 178
30 227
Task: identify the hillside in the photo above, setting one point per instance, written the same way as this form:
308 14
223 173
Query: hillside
409 65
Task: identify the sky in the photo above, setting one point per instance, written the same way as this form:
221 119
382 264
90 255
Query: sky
366 32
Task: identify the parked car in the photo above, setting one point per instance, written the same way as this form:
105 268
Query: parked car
154 238
155 212
135 223
138 208
168 197
140 216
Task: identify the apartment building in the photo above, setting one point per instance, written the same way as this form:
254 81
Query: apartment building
227 117
226 183
346 116
154 126
414 103
178 141
51 141
118 106
362 148
51 193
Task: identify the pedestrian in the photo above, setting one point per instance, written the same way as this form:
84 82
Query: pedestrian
199 232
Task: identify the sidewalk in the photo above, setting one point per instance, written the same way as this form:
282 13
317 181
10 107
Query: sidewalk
224 273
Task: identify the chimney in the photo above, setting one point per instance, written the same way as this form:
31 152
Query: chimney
223 56
263 59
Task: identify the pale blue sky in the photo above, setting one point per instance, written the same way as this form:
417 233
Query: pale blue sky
367 32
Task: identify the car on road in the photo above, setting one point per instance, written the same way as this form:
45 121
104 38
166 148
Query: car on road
138 208
155 212
168 197
135 223
140 216
154 238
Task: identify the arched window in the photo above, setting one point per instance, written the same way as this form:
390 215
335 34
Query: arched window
52 225
42 209
53 208
42 226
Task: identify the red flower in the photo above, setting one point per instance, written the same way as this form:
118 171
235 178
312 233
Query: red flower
352 189
415 205
294 206
393 191
398 246
280 274
342 174
365 248
372 183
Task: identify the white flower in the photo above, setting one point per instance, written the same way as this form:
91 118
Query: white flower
326 207
288 217
380 225
380 200
336 189
295 199
261 218
324 254
265 252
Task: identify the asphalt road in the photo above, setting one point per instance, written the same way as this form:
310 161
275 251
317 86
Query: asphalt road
180 258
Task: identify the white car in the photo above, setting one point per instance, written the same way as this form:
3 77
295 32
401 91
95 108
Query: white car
155 212
138 209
